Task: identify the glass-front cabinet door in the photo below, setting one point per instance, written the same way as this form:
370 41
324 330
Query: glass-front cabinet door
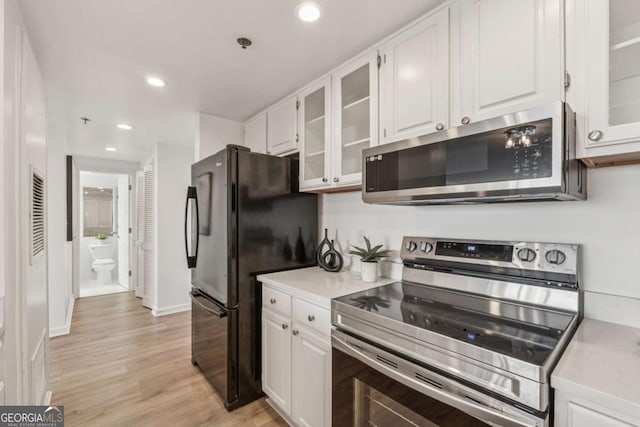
610 31
315 135
355 123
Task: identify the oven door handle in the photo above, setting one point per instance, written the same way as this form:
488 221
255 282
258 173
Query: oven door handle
358 350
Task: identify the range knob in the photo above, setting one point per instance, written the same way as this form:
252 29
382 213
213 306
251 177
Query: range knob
426 247
555 257
526 254
411 246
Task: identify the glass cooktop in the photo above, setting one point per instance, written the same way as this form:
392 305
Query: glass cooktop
526 333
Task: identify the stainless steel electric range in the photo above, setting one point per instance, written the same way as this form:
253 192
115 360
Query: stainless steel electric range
469 337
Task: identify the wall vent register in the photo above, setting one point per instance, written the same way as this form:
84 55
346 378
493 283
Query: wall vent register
37 215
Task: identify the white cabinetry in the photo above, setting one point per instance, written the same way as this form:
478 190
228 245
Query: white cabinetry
414 80
296 357
315 134
603 46
276 358
338 118
572 411
281 127
311 378
355 125
255 133
509 57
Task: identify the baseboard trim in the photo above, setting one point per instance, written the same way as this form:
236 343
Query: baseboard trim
64 330
163 311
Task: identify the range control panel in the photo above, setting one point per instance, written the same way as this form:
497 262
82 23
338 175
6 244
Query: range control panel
548 257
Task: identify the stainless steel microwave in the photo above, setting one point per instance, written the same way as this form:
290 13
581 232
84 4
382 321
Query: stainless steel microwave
523 156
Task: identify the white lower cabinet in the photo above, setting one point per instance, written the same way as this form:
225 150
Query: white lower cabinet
296 359
276 358
311 378
573 411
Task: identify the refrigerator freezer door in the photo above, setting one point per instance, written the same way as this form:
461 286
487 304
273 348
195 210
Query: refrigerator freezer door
213 344
210 177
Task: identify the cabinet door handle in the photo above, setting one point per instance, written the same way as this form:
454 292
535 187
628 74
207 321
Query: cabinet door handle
324 180
284 326
439 126
336 179
465 120
595 135
311 317
272 300
295 332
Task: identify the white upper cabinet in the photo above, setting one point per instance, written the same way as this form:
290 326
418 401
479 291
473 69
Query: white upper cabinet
255 133
603 47
414 80
315 134
281 127
337 119
509 57
355 125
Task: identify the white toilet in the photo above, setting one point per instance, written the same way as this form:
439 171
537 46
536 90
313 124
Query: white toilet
102 255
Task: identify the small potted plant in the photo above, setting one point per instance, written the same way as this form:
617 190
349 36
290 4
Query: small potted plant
369 258
101 237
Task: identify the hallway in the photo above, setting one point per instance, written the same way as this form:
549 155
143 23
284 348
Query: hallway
120 366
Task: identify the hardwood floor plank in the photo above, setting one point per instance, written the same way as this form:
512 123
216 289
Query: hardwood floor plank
120 366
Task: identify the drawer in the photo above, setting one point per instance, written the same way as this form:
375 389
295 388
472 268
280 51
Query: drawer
276 300
310 315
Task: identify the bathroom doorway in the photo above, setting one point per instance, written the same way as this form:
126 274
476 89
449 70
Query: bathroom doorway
105 221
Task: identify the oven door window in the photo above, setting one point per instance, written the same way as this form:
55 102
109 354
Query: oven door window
363 397
508 154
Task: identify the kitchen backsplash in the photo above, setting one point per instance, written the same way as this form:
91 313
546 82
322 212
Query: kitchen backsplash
610 237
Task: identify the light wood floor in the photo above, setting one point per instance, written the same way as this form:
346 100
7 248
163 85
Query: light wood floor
120 366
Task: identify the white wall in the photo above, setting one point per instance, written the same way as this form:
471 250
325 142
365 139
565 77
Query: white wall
172 176
607 225
99 180
60 294
214 133
24 140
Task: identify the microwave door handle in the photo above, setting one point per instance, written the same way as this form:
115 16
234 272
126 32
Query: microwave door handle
191 259
466 405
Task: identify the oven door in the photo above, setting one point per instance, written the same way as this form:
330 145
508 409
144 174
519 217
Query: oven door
374 387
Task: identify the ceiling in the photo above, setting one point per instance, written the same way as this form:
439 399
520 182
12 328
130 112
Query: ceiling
94 56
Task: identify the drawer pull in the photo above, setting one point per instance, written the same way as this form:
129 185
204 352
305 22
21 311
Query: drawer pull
311 317
272 300
295 332
284 326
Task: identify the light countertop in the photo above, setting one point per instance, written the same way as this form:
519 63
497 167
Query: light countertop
315 284
602 364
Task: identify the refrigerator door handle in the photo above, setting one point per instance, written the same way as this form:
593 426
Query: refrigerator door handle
192 257
218 313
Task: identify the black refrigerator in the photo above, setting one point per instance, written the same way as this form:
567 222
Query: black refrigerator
244 216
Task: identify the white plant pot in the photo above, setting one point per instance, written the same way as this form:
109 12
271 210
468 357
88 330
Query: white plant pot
369 271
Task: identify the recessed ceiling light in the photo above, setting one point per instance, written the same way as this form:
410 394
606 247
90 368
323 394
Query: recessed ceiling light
308 11
156 81
124 126
110 149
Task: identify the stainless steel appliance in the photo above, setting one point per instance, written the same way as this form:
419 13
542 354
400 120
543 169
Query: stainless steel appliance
529 155
468 337
244 216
